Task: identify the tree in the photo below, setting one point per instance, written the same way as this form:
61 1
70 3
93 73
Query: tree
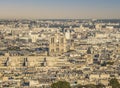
61 84
91 86
114 83
100 86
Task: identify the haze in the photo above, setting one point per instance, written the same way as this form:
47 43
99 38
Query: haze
60 9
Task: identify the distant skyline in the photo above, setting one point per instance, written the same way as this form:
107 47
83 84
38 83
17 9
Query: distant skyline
59 9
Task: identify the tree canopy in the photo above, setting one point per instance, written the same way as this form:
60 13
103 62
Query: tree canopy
91 86
61 84
114 83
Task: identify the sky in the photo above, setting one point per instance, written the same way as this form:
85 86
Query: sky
60 9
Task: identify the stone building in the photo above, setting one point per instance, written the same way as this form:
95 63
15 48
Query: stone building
57 44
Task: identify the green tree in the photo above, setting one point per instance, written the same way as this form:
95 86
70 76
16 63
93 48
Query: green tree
100 86
91 86
114 83
61 84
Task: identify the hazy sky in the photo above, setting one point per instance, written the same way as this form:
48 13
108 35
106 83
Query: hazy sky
59 9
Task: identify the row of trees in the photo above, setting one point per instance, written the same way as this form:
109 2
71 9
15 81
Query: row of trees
91 86
63 84
114 83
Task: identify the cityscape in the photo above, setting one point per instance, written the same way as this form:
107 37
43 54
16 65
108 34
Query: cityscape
55 51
